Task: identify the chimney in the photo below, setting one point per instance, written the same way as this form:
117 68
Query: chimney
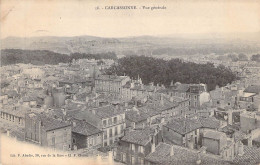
161 100
162 120
171 151
135 103
249 141
171 99
152 144
74 124
143 125
126 104
240 149
97 103
74 97
230 117
132 85
133 125
64 111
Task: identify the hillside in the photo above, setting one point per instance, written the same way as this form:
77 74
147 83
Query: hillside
186 44
41 57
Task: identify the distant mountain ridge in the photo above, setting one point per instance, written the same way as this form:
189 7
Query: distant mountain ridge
139 45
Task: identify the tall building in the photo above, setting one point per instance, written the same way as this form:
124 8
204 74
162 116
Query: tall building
47 131
196 93
110 84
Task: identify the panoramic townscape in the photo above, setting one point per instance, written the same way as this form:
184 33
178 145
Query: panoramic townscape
130 82
196 109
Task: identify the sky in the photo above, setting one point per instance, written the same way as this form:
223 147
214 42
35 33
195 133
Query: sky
27 18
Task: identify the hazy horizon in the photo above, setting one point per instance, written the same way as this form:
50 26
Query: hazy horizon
176 35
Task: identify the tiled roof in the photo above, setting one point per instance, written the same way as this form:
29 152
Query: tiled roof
49 123
209 122
134 116
111 77
12 93
102 112
183 125
181 155
162 153
250 156
108 111
139 136
212 134
84 128
193 88
253 89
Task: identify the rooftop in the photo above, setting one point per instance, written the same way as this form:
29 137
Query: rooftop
181 155
212 134
103 112
111 77
250 156
138 136
253 89
49 123
183 125
84 128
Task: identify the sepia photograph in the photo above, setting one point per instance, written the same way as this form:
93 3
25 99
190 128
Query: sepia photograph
130 82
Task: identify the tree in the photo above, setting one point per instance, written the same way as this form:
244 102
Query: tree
255 57
242 57
163 72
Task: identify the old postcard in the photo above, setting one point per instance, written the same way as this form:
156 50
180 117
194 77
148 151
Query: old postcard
136 82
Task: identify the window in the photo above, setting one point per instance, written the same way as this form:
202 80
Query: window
132 147
53 141
195 104
115 130
74 141
122 129
105 134
110 132
133 160
141 149
104 123
91 142
141 161
123 157
105 143
195 97
115 120
65 137
110 122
